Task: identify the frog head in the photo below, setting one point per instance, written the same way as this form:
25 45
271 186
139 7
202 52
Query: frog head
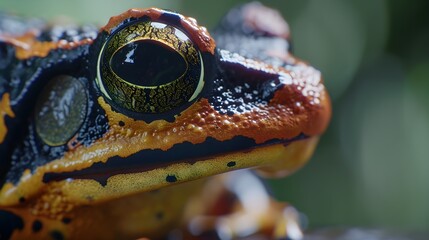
151 100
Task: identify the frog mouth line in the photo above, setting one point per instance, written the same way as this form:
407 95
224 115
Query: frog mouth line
157 158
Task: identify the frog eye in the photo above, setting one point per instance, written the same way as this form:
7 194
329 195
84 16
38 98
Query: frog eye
150 67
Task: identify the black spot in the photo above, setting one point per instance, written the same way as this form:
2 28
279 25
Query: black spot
37 226
57 235
22 199
66 220
159 215
121 123
171 178
9 222
231 164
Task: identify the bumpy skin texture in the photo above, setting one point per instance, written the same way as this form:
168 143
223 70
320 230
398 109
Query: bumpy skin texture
102 170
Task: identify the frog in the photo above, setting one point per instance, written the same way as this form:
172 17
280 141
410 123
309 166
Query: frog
151 127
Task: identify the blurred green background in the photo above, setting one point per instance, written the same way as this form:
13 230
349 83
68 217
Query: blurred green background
372 166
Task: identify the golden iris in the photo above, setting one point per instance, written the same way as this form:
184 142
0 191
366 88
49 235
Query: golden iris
150 67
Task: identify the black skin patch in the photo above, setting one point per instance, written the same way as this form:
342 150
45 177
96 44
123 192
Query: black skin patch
9 222
231 164
121 123
37 226
22 199
25 150
57 235
171 178
179 153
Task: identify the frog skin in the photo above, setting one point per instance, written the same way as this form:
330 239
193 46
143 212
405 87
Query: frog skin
135 130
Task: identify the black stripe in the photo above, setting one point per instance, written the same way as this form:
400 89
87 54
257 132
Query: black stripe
147 159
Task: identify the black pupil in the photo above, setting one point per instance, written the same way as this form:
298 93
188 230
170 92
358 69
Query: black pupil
148 63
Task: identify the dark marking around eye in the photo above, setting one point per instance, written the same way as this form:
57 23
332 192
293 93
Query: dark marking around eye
171 178
33 152
37 226
240 88
57 235
66 220
121 123
231 164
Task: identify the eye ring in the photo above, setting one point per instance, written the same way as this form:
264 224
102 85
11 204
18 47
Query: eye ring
128 71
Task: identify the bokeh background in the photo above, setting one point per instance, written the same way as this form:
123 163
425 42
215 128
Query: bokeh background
371 168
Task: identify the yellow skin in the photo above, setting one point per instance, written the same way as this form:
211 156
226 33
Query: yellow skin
184 195
122 218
